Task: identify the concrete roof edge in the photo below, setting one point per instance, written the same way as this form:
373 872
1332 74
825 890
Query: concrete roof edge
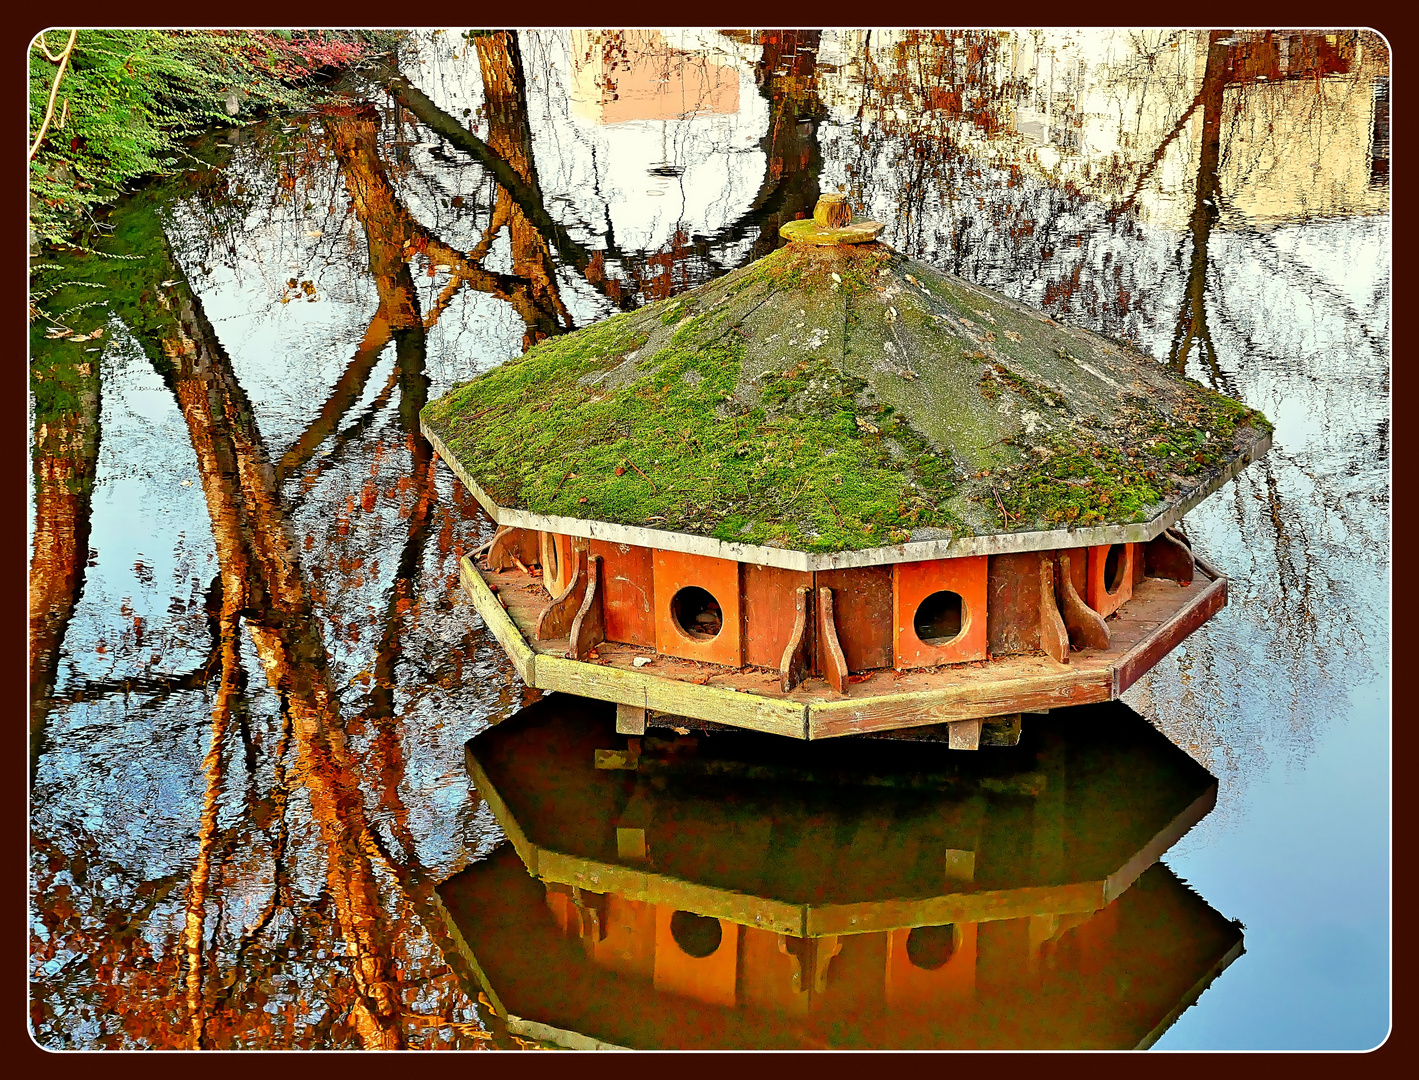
911 551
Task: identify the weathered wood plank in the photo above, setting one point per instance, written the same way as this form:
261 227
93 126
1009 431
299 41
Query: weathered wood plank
966 701
987 905
589 627
637 884
629 588
1014 602
526 850
1087 629
497 620
1001 731
862 608
557 617
1167 637
599 681
769 617
1054 636
630 719
511 546
794 664
831 661
776 716
965 735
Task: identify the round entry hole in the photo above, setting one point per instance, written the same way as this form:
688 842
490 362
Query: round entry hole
1114 565
698 935
929 947
697 613
939 618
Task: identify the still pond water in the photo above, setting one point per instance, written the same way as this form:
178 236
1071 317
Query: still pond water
253 672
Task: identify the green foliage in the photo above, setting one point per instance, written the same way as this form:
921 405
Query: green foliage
133 95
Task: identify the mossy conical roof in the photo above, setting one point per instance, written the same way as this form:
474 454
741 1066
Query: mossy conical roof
841 398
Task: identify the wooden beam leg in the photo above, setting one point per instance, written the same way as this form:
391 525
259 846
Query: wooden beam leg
557 617
794 665
1001 731
830 653
1165 556
1054 637
630 720
589 627
1086 626
965 735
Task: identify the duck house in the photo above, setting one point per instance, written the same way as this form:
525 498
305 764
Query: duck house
839 491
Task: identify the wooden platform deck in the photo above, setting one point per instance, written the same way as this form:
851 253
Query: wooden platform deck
1159 616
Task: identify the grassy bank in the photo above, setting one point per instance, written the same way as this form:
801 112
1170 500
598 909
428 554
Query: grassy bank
108 107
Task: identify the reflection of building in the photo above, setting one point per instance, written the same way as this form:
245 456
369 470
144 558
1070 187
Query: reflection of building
667 125
719 893
1307 113
620 75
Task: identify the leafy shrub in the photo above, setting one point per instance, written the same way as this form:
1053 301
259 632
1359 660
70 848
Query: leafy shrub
133 95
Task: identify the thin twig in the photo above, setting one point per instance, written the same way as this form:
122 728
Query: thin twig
564 479
1004 514
651 482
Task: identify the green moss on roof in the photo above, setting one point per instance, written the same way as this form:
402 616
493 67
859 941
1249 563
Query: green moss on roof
830 399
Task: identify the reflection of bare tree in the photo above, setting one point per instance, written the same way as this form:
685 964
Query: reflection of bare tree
1192 319
390 240
786 75
263 585
510 136
65 382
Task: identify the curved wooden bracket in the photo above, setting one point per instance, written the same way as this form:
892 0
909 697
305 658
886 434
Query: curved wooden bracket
1086 626
514 547
557 617
794 666
1054 637
1166 556
589 627
830 654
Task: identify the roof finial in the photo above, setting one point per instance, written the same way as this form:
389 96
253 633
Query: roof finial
832 211
831 224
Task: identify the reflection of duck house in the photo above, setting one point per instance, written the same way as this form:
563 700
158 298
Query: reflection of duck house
719 893
986 614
